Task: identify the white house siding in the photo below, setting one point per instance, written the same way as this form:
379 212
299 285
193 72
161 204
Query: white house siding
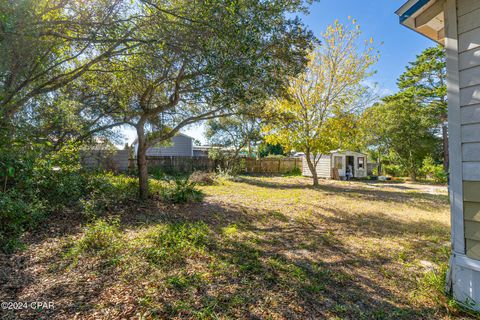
181 146
468 13
323 167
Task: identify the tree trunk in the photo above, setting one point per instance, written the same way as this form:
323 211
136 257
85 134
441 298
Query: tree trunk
312 168
446 163
379 169
413 176
142 163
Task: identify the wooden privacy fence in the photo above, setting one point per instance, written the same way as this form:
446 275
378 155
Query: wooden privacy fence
178 164
248 165
271 165
119 160
110 160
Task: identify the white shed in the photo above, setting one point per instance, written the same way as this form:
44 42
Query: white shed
340 160
456 25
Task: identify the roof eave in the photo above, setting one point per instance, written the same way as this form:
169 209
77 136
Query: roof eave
425 17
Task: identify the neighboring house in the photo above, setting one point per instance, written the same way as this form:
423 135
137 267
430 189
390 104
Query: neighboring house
340 160
201 151
298 155
180 145
456 25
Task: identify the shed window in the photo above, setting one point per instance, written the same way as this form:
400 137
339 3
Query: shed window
338 163
361 162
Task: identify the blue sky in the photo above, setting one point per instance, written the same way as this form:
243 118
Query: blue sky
377 19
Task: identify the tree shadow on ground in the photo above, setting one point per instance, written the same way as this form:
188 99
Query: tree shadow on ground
276 267
356 190
291 263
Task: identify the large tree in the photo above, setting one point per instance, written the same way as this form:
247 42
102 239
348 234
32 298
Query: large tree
401 130
45 45
407 126
236 132
425 81
318 113
210 59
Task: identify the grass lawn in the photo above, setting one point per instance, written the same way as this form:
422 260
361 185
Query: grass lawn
260 248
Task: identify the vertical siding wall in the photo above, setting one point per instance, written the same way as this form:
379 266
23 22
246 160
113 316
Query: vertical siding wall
323 167
182 146
468 27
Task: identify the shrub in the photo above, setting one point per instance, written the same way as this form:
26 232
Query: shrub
181 191
226 175
17 213
275 156
107 191
58 178
295 172
35 184
433 171
60 188
101 237
226 160
394 170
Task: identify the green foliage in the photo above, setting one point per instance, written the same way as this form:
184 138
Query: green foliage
58 179
35 185
267 150
181 191
425 78
406 127
402 129
236 132
107 191
18 212
173 243
226 161
294 172
395 170
319 112
101 237
433 170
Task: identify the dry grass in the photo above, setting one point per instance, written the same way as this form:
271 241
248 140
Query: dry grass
261 248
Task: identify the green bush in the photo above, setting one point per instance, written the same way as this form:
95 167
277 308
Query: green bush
294 172
101 237
434 171
394 170
181 191
58 178
17 213
35 183
227 161
106 191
